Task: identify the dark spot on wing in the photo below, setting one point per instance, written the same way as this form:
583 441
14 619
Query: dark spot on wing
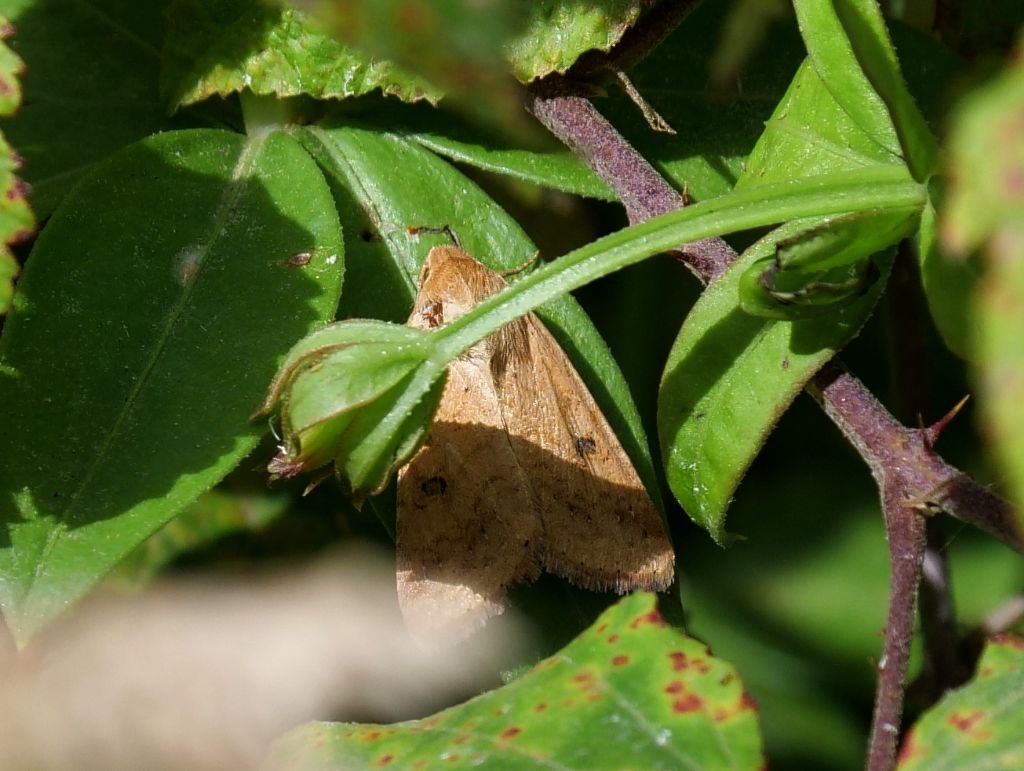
434 486
585 446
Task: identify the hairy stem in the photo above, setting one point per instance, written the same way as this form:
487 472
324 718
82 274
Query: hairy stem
942 667
641 189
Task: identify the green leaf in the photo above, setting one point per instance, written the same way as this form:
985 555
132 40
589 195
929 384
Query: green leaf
630 692
729 378
949 282
378 205
91 86
810 133
869 39
221 47
152 313
978 725
559 169
833 55
558 31
16 218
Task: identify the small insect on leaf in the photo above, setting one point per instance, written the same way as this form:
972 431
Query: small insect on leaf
299 259
520 472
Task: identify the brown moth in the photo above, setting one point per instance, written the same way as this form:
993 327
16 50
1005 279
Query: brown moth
520 473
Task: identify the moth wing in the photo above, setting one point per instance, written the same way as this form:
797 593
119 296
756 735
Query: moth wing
467 527
602 530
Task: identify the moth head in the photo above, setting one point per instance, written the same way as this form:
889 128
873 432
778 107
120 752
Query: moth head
451 283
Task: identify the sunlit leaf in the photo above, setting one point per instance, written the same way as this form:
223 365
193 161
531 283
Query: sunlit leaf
221 47
978 725
630 692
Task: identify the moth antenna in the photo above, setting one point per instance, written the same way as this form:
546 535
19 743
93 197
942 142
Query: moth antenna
520 268
443 230
270 425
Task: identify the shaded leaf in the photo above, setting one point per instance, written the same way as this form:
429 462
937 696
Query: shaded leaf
219 48
90 87
630 692
978 725
149 320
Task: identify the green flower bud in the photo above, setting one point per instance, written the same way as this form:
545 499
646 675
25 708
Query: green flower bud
358 393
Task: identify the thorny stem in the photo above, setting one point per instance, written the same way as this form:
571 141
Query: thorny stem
942 667
910 476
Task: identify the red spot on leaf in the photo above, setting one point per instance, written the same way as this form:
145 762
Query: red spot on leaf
965 721
451 757
372 736
689 702
384 760
679 660
540 707
461 739
652 617
727 680
721 714
910 748
601 628
568 702
583 677
621 660
674 687
511 732
748 702
612 639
